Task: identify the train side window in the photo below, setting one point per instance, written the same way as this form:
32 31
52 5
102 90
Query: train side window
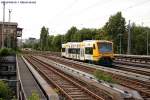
88 50
69 50
63 49
78 51
93 46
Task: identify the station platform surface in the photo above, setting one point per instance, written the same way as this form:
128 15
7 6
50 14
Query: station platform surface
28 81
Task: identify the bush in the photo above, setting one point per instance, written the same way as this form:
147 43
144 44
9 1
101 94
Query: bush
7 52
5 92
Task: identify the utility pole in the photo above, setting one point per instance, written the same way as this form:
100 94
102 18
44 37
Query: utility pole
120 44
129 39
3 25
147 44
10 10
9 34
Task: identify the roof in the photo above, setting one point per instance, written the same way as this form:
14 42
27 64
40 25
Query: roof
19 29
9 23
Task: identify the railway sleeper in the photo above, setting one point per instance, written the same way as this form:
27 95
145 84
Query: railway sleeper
79 98
79 95
68 86
68 90
72 88
75 92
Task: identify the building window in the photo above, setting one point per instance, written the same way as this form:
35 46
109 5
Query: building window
11 30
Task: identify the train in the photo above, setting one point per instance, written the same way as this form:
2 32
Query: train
91 51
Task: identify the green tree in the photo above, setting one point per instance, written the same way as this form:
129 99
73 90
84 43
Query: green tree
115 27
70 33
139 39
56 42
77 37
36 46
44 38
50 44
101 35
84 34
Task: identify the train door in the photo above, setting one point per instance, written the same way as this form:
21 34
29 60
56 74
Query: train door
89 53
66 52
81 53
78 53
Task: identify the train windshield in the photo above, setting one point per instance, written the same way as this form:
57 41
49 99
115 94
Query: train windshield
105 47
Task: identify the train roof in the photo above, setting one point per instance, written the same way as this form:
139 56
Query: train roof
96 41
86 41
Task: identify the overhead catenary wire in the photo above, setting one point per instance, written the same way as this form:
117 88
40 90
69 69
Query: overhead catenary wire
137 4
124 9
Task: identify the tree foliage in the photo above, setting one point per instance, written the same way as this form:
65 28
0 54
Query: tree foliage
70 33
5 92
56 42
139 39
116 29
44 38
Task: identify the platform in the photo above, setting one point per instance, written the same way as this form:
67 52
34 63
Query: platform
28 81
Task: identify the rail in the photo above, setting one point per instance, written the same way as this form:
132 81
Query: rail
133 58
20 90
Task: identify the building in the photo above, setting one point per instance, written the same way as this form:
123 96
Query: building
10 34
31 41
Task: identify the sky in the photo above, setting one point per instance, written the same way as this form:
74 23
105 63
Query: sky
61 15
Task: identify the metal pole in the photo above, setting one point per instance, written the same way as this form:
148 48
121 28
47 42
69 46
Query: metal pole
21 43
9 34
120 43
147 44
10 10
129 39
3 24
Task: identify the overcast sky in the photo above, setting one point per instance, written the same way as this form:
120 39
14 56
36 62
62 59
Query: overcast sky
60 15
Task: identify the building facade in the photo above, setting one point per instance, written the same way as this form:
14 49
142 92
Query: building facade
9 34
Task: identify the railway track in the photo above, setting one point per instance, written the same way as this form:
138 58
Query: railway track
134 69
135 64
142 87
133 60
69 88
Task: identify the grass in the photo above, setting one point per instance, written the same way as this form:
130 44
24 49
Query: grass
100 75
34 96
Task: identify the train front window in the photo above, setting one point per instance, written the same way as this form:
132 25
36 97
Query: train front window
105 47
